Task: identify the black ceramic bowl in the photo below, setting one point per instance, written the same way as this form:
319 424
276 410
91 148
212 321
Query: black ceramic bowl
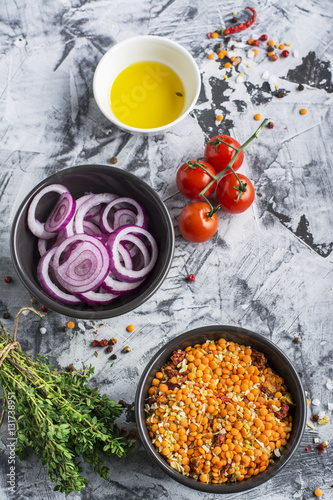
277 360
95 179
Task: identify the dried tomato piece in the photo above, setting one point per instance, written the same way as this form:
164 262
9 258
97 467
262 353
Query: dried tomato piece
283 412
178 357
220 439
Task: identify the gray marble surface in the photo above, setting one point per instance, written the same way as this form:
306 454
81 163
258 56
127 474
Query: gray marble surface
269 269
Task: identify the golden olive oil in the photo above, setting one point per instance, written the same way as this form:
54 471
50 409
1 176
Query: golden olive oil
147 94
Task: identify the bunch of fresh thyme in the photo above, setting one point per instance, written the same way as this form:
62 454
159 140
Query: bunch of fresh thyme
59 416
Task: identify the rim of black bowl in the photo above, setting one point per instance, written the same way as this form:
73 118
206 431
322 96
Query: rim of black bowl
93 312
141 396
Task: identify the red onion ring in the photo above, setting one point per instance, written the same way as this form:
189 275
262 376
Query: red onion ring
86 266
141 217
91 202
122 217
62 214
116 267
48 285
35 226
97 298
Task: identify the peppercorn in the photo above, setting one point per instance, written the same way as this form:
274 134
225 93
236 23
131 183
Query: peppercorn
113 160
303 111
256 43
296 340
6 315
232 47
96 343
32 301
285 53
282 93
318 493
217 48
191 277
263 38
8 279
103 343
300 87
113 356
43 308
127 348
70 368
113 341
71 325
123 431
131 328
109 348
308 448
315 417
122 402
322 447
234 20
270 125
257 117
273 57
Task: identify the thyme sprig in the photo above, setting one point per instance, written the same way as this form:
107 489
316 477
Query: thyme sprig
59 416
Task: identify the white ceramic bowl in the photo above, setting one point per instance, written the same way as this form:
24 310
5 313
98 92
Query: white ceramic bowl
146 48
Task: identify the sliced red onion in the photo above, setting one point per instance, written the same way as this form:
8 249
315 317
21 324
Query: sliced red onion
86 266
91 228
61 214
45 245
125 256
35 226
48 285
97 298
138 246
93 201
141 217
122 217
116 267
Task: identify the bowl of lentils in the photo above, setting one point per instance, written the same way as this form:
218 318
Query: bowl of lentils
220 409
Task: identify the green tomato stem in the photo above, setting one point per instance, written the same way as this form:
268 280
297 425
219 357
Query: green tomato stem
229 166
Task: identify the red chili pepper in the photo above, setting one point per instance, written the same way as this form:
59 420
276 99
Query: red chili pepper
240 27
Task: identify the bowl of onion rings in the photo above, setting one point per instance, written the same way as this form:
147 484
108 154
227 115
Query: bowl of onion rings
92 241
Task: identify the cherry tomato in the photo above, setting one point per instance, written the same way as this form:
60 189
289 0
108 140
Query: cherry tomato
192 179
227 193
194 224
220 155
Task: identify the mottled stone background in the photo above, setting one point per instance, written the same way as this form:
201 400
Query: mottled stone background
269 269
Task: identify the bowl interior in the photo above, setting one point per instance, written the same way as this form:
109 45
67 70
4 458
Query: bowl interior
277 360
94 179
145 48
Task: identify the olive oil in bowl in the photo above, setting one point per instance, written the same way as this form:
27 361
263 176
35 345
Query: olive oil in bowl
147 95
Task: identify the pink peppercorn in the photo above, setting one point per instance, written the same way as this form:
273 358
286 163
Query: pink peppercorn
256 43
285 53
191 277
96 343
270 125
263 38
273 57
8 279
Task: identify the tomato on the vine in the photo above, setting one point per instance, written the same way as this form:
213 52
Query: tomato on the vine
194 223
219 155
228 192
191 179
